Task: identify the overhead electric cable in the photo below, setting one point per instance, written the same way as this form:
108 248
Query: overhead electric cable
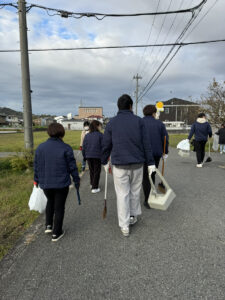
101 16
194 16
150 32
115 47
210 8
2 5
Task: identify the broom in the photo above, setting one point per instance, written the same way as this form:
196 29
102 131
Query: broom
209 159
161 186
104 213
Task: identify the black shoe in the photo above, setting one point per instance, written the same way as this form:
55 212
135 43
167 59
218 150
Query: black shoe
48 229
56 237
147 205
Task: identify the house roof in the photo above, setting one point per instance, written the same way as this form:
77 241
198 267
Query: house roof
177 101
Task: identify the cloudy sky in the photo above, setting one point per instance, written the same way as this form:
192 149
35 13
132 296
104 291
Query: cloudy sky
62 80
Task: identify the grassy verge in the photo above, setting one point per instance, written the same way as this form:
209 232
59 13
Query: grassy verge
14 142
15 216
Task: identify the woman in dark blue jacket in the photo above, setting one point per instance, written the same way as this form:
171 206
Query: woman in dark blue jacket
54 163
92 148
156 133
202 130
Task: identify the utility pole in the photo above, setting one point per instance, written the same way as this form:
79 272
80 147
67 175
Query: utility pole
137 77
25 71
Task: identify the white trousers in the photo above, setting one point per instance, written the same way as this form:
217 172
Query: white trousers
128 187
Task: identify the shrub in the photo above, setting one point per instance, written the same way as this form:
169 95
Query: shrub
5 164
22 162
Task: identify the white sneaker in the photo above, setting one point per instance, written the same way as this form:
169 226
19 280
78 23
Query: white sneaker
199 165
133 220
125 231
94 191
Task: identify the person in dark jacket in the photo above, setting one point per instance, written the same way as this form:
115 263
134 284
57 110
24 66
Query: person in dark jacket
202 130
83 133
221 134
54 163
156 132
125 139
92 149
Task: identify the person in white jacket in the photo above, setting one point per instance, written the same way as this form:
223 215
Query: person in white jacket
83 134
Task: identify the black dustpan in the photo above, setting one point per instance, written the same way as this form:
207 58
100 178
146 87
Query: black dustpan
209 159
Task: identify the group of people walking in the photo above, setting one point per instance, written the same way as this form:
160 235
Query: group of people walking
132 145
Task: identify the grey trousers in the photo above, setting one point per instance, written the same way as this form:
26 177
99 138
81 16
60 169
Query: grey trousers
128 185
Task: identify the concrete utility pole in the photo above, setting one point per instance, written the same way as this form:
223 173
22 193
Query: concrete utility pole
26 91
137 77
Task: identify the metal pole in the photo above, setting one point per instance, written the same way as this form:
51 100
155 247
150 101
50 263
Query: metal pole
137 77
25 71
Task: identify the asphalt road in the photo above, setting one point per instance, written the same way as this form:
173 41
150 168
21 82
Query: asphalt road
177 254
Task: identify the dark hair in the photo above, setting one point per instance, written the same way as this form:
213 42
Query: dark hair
149 110
201 115
86 123
124 102
94 125
56 130
223 125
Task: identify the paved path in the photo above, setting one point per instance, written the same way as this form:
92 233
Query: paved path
177 254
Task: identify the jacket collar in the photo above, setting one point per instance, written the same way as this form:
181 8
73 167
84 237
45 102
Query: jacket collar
201 120
125 111
55 139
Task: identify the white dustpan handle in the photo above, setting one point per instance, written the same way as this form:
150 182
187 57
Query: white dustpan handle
106 184
162 178
152 185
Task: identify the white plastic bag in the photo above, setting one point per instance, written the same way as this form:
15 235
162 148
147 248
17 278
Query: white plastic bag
38 200
215 142
184 145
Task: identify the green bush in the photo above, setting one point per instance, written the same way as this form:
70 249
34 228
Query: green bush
5 164
22 162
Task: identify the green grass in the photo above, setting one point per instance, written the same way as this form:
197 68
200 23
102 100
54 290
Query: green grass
174 139
15 216
15 142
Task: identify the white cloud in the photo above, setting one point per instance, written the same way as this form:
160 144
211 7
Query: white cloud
60 80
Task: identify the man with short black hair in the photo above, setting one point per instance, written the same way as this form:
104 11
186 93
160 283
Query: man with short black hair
126 141
157 134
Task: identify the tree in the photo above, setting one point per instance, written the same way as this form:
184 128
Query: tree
213 103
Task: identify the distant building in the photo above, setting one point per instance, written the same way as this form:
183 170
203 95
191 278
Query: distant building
13 120
72 124
90 113
180 111
3 120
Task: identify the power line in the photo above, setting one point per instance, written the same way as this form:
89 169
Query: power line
194 16
100 16
150 32
210 8
116 47
2 5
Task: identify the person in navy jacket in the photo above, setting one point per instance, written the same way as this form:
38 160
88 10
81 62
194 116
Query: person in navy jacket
54 163
125 139
92 149
202 130
156 133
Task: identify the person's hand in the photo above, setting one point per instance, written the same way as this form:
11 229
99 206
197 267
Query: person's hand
106 167
81 148
165 156
77 185
151 169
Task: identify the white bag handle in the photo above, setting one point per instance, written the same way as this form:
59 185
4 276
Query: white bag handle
163 181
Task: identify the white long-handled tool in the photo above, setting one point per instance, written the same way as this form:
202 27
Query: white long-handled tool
104 213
